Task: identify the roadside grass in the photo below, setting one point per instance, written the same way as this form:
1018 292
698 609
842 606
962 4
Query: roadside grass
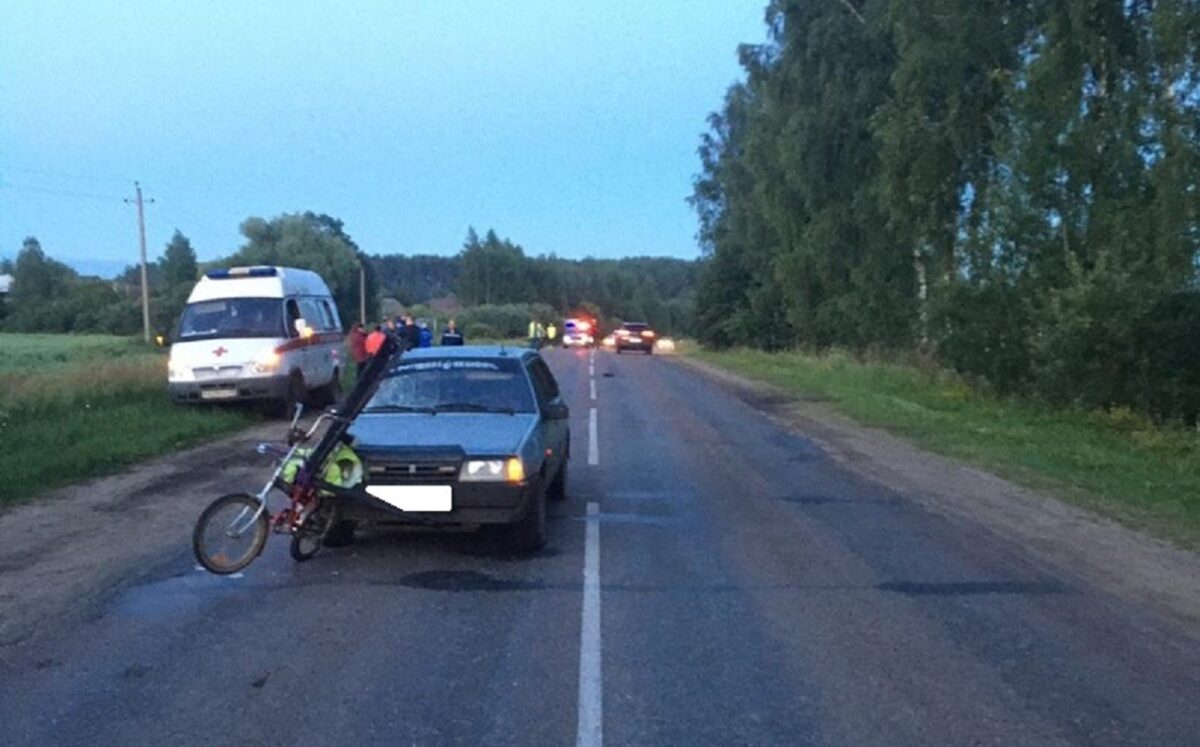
75 407
1117 463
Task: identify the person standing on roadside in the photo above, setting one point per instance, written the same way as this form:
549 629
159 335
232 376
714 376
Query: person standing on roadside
551 334
425 334
358 347
375 340
410 332
451 336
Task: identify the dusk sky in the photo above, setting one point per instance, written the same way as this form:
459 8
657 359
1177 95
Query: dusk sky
568 127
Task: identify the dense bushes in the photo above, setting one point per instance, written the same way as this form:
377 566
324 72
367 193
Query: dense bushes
503 321
48 296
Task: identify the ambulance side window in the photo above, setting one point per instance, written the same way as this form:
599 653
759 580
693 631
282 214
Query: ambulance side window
331 322
293 313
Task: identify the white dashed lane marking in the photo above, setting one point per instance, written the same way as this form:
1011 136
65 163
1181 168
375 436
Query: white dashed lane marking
593 439
591 686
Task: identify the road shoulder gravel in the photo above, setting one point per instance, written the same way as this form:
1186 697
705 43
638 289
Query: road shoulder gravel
65 552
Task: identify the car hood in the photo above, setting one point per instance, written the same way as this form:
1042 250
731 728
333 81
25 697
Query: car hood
481 434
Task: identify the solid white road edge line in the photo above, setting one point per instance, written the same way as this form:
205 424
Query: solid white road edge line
593 440
591 686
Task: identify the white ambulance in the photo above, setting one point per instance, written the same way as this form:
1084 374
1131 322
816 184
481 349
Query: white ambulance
257 333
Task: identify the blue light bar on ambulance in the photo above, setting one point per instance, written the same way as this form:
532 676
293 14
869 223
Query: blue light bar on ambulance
241 272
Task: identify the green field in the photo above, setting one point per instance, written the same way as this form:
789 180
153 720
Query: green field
33 353
1117 463
77 406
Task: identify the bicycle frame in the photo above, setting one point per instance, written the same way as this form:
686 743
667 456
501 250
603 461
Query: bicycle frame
302 491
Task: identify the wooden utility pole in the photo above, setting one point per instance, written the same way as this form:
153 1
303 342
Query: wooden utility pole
142 246
362 292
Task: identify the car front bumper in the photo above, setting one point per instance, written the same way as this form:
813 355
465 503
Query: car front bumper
635 344
230 390
471 504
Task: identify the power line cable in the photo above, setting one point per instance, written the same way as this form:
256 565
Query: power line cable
59 192
61 175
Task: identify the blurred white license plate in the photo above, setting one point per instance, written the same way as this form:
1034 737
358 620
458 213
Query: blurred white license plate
413 497
218 393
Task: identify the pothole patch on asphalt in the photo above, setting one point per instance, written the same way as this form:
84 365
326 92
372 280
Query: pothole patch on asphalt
817 499
505 554
967 588
135 671
465 581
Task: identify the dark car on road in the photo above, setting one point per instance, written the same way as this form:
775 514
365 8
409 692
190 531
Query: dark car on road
467 435
635 336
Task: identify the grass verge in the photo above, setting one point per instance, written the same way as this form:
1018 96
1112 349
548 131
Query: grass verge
74 407
1117 463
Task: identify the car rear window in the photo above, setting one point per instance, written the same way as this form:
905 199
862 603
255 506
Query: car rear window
493 384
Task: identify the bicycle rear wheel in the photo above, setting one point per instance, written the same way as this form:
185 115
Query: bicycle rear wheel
230 533
309 536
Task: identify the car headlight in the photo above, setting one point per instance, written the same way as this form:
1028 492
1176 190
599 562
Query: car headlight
175 370
492 470
267 362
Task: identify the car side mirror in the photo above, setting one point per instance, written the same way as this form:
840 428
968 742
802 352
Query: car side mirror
557 411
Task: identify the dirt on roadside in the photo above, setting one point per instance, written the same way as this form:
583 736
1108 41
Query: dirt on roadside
65 551
1078 543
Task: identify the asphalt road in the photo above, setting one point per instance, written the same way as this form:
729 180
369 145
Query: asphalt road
711 579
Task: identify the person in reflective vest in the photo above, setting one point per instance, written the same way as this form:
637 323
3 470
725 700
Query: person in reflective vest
375 341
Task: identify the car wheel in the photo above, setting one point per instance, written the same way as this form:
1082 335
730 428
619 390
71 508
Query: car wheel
558 488
529 534
328 394
297 393
341 535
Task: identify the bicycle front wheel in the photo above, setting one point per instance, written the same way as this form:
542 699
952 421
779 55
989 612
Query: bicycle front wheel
230 533
309 536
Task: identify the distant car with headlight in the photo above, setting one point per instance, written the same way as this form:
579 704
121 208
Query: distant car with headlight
635 336
468 435
257 333
578 333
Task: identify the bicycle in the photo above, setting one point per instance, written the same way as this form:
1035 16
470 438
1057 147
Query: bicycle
233 530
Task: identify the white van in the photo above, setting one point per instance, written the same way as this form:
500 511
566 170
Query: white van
257 333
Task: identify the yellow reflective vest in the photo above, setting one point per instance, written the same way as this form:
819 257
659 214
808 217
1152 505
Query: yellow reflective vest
343 468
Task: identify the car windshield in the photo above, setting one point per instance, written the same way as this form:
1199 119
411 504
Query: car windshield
454 385
634 327
232 317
